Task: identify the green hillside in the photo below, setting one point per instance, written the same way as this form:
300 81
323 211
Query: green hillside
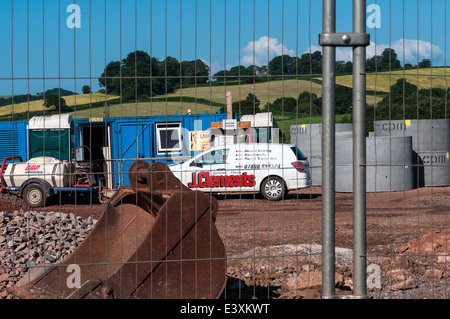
211 98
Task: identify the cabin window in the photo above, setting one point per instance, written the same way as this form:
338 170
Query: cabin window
168 138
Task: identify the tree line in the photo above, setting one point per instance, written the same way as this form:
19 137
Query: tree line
139 76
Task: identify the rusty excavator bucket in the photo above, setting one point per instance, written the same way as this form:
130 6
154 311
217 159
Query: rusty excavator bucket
156 239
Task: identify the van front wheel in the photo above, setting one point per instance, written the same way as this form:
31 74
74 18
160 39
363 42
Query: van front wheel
273 188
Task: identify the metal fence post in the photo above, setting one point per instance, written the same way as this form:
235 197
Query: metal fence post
329 40
328 151
359 153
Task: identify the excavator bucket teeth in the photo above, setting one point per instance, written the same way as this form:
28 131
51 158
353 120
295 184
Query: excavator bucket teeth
147 244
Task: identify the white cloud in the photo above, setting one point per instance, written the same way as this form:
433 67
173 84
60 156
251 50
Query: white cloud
413 50
263 50
410 51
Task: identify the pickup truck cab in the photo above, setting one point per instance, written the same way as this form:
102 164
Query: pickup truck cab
267 168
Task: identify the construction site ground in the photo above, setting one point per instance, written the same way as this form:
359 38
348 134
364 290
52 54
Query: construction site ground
274 248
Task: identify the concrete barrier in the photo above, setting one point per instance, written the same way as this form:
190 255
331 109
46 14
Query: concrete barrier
389 164
430 144
308 137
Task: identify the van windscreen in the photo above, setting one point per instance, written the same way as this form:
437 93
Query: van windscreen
298 154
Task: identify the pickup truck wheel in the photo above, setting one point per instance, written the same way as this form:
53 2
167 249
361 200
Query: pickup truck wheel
273 188
34 195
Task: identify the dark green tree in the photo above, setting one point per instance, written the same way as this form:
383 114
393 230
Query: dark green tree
138 74
219 76
343 67
195 71
58 102
86 89
309 63
389 61
373 63
286 104
309 104
240 74
344 99
282 65
425 63
169 69
251 105
110 78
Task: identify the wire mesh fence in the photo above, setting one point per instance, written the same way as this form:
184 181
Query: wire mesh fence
173 149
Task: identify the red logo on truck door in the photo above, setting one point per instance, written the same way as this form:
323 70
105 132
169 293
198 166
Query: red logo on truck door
32 168
203 179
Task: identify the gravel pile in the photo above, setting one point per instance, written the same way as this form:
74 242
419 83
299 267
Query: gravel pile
30 238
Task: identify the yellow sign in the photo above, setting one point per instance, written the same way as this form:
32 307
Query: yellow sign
199 140
408 122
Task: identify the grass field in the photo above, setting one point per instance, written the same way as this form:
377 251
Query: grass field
36 106
265 91
422 78
145 109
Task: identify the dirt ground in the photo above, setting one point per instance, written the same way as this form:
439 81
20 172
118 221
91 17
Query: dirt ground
274 248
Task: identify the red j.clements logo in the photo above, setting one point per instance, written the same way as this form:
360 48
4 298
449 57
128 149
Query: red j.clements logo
203 179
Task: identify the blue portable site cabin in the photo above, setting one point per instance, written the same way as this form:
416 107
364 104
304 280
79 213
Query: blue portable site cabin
121 141
114 142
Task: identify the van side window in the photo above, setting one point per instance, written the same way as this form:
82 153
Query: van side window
214 157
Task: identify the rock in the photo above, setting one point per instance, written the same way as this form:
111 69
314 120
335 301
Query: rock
29 238
4 277
397 274
348 285
409 283
443 259
308 280
433 274
48 255
20 247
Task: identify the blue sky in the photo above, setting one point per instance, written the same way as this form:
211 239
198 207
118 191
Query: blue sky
38 44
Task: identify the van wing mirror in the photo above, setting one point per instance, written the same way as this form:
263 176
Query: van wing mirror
196 164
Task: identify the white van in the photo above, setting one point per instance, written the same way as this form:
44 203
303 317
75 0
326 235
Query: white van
271 169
